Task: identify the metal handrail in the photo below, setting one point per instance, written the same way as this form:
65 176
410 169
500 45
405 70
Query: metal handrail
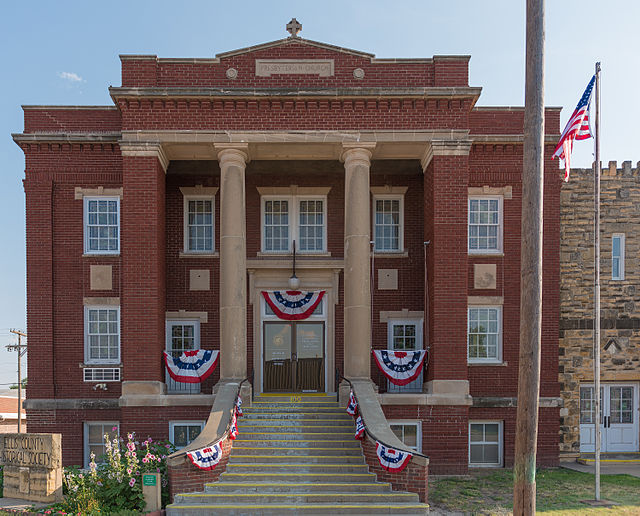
366 429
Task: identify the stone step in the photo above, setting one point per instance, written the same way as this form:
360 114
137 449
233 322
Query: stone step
295 451
295 498
262 422
302 405
289 428
287 487
298 436
297 477
243 441
295 469
299 459
295 396
276 509
275 414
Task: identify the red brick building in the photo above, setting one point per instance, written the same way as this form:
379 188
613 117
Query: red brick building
157 222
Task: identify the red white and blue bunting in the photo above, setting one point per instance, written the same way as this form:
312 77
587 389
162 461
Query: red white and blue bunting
293 305
392 460
206 458
400 367
233 427
239 407
352 407
192 366
359 428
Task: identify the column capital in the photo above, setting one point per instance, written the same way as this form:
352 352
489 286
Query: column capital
232 153
444 148
355 153
144 149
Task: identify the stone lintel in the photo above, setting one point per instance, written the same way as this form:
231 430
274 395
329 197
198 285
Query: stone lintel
504 191
209 191
203 317
405 313
100 190
101 301
485 300
388 190
293 190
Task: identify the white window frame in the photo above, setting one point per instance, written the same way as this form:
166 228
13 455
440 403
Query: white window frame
500 237
621 258
85 223
500 462
294 222
488 360
185 228
397 322
85 433
87 356
173 424
387 197
182 322
410 422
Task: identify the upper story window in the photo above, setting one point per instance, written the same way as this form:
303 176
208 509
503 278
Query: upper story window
617 256
289 218
102 334
485 225
388 223
198 224
101 225
405 335
484 334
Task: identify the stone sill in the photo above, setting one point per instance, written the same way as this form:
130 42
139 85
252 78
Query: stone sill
99 255
497 254
403 254
199 255
261 254
488 364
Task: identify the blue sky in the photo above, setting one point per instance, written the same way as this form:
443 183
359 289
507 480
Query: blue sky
66 52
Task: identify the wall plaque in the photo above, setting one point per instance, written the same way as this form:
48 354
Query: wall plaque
269 67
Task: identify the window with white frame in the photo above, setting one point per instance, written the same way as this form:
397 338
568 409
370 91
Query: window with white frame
182 433
485 225
485 443
484 334
102 334
388 216
198 224
183 335
617 256
409 432
94 438
405 335
289 218
101 225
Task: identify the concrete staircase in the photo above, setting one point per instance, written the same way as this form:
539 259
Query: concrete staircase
296 454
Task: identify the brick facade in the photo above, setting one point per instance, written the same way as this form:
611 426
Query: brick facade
431 140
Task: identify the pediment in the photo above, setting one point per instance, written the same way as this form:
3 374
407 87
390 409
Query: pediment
294 44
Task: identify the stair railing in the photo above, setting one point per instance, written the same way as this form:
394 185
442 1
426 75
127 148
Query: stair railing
371 435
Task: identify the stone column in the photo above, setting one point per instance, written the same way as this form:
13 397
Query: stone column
357 247
233 261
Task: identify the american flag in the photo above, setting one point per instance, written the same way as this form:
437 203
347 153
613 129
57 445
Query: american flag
578 128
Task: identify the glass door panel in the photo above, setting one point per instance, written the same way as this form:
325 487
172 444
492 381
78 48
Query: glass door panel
277 356
310 356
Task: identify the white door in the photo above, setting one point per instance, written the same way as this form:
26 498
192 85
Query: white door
182 335
618 420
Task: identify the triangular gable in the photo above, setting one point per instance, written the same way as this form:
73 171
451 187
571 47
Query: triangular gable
294 40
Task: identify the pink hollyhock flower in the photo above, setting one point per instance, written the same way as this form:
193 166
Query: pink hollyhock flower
129 471
145 460
132 482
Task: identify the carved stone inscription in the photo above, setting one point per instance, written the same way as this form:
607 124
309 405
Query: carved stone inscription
269 67
32 466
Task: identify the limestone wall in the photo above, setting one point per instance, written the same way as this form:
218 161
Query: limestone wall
620 299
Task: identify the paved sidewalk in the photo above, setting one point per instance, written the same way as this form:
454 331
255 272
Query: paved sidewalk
606 468
17 504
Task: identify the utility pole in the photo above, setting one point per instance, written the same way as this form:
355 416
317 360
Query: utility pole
524 471
21 349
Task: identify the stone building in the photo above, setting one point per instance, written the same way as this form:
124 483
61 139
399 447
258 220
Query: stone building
620 309
247 152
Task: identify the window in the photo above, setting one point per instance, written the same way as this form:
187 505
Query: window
405 335
388 223
198 224
94 438
485 225
101 225
285 219
182 335
617 256
484 334
102 334
485 443
409 432
182 433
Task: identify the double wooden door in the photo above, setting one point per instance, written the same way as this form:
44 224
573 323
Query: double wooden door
293 356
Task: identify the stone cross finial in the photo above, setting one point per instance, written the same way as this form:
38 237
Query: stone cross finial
293 27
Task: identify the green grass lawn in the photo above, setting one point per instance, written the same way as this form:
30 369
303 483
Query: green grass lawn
559 492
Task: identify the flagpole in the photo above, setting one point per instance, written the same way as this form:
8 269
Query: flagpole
596 296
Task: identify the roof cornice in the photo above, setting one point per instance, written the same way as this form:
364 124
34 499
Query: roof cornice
66 137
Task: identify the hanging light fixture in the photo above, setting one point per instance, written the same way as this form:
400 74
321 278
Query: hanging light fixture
294 281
